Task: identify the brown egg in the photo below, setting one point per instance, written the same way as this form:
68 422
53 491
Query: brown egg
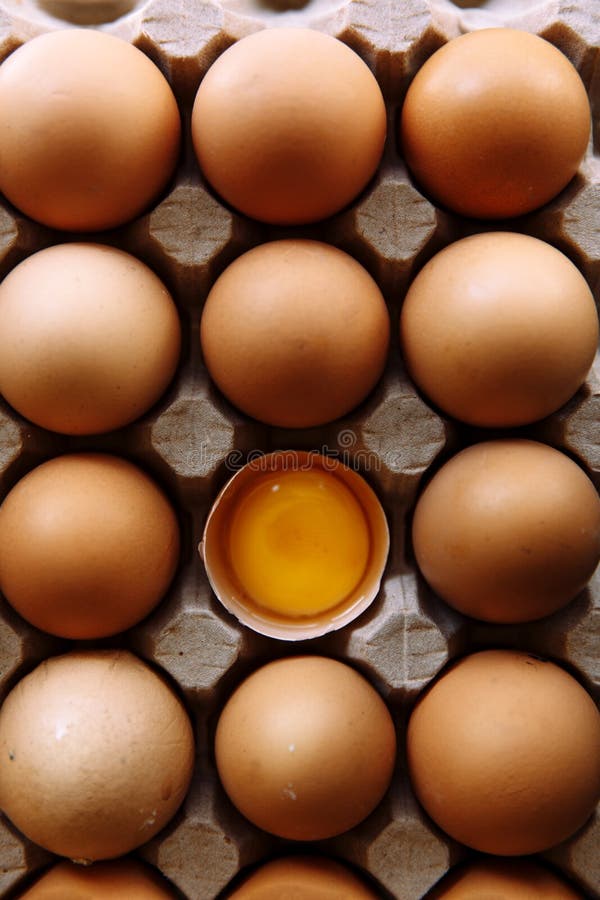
303 878
495 123
289 125
305 748
96 754
508 531
123 879
88 545
504 753
503 879
89 130
295 333
499 329
89 338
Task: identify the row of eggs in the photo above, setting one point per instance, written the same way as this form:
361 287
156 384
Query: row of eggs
288 126
296 543
498 329
306 877
98 751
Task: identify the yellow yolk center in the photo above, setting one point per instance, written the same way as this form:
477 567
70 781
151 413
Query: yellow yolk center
299 542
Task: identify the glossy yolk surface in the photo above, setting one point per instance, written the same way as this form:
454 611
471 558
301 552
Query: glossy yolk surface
299 542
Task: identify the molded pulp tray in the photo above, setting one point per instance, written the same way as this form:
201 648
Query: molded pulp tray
193 439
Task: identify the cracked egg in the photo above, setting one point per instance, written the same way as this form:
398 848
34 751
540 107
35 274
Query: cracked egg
295 545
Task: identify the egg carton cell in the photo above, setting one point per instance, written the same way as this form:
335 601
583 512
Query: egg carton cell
393 252
573 219
571 26
193 439
574 427
188 638
216 237
19 237
208 830
18 856
568 635
21 647
407 642
579 856
200 437
420 855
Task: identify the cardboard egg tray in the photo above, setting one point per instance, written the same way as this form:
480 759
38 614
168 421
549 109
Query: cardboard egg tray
193 440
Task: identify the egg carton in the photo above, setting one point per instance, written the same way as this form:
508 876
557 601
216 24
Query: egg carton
193 440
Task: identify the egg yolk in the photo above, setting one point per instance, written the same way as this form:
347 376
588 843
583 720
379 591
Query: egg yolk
299 542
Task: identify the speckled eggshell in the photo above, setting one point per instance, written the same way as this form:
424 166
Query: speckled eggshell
503 752
495 124
305 748
89 129
96 754
289 125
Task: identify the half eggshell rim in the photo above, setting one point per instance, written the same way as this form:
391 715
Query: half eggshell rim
227 592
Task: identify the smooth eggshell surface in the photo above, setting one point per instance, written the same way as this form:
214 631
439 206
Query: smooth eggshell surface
504 753
305 748
503 879
123 879
295 333
96 754
89 338
499 329
303 878
289 125
89 129
495 124
88 545
508 531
